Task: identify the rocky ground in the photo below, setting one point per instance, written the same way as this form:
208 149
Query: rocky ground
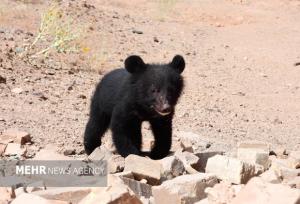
242 74
190 174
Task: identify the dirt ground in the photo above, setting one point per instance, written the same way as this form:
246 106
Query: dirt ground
242 78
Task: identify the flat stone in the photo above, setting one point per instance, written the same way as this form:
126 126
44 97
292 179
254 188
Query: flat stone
171 167
139 188
258 191
17 136
230 169
271 176
188 159
204 156
184 189
43 154
222 192
254 153
13 149
110 195
118 178
143 168
68 194
282 168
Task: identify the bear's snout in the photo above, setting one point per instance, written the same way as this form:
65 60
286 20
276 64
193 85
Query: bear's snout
163 107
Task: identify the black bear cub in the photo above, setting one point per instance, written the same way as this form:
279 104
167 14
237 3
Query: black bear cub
126 97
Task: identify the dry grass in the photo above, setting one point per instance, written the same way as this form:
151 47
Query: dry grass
57 32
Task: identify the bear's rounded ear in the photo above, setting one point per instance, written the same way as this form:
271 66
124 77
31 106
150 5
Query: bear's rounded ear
178 63
134 64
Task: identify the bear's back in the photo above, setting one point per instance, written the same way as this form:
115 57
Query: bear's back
109 90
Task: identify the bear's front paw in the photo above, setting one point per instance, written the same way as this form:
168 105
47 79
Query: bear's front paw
158 155
124 152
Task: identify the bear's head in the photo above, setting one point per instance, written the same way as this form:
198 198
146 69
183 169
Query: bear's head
156 87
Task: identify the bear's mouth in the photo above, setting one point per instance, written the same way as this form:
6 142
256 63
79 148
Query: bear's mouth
162 113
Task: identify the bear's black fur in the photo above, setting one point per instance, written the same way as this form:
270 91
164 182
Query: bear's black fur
126 97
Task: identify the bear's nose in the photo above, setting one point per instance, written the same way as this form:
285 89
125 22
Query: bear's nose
166 108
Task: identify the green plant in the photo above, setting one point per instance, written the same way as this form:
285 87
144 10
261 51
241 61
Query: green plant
56 32
59 33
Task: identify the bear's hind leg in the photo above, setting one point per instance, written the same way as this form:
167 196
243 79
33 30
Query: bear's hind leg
96 127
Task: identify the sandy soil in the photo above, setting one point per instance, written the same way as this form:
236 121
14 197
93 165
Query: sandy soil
242 81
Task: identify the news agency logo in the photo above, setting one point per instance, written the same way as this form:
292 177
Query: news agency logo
44 170
71 173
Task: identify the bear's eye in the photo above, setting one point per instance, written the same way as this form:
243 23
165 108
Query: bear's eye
155 90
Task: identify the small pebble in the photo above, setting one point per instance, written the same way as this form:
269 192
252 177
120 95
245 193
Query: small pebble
137 32
17 90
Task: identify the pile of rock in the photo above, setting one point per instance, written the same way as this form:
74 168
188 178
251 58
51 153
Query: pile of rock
188 175
14 143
